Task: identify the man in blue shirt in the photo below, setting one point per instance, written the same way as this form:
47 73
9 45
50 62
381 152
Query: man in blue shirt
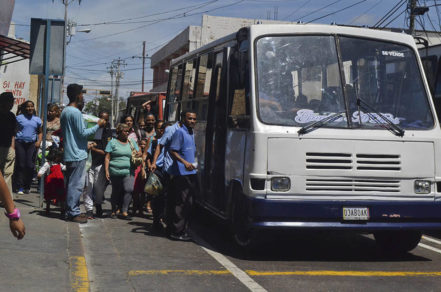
184 181
75 136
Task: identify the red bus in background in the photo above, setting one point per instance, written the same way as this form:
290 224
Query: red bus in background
136 101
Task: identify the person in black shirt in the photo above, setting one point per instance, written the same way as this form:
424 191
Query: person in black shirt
96 176
7 137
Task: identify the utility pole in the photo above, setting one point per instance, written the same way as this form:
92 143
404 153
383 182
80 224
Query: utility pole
415 10
411 7
66 31
116 64
143 64
112 103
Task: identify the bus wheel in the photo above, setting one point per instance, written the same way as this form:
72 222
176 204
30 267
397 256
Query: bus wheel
242 233
397 242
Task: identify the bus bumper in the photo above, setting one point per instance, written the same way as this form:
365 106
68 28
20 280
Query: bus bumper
389 215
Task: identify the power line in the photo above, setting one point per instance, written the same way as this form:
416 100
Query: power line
389 13
338 11
317 10
149 15
297 10
366 11
177 16
395 18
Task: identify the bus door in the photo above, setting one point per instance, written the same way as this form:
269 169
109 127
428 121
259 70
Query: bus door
214 182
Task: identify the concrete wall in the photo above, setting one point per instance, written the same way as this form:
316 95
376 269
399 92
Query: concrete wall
6 9
216 27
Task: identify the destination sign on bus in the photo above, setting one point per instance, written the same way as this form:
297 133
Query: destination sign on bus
305 116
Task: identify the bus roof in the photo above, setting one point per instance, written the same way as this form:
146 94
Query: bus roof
284 29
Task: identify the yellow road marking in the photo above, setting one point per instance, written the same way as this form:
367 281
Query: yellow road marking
289 273
185 272
79 274
345 273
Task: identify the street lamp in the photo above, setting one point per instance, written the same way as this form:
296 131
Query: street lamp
72 30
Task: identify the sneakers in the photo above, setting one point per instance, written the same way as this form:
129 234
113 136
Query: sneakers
79 219
27 191
20 191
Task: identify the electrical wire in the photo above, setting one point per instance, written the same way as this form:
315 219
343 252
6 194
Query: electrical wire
389 13
395 18
338 11
317 10
297 10
149 15
180 15
366 11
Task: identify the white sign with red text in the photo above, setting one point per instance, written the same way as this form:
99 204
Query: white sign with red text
15 78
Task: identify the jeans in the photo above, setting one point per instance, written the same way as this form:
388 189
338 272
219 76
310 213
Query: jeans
75 180
96 184
25 163
122 188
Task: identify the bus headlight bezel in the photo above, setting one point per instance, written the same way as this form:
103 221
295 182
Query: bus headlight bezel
422 187
280 184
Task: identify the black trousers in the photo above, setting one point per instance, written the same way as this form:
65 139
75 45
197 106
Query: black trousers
25 153
158 202
180 203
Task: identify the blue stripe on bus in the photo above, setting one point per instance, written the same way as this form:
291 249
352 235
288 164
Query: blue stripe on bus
265 213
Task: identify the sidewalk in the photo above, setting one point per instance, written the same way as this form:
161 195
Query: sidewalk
48 258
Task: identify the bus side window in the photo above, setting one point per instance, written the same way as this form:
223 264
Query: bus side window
174 92
188 85
239 91
203 78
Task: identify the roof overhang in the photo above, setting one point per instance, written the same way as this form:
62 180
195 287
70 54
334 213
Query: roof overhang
12 50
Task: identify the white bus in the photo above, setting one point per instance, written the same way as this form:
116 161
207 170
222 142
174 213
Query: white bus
313 127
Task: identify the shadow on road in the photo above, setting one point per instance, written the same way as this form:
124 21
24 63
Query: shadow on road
294 245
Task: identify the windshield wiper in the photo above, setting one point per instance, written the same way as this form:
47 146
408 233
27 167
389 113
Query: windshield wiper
391 127
318 124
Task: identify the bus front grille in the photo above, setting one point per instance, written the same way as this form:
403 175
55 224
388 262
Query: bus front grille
352 185
378 162
346 161
319 160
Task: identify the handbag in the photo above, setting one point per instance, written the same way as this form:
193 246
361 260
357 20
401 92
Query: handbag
136 161
153 186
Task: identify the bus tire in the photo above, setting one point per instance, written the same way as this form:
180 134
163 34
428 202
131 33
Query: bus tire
243 235
397 242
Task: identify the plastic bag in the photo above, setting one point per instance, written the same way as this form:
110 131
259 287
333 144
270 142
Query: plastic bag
153 186
89 161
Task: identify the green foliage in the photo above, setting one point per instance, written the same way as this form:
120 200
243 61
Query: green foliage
93 107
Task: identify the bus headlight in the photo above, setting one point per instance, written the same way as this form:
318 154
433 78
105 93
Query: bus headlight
422 186
280 184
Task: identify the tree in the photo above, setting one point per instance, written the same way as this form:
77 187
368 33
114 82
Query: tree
97 105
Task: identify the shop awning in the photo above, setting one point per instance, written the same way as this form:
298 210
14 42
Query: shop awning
12 50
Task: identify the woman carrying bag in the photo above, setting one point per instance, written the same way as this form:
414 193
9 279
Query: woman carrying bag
122 154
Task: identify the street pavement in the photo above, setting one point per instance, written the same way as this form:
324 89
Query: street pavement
118 255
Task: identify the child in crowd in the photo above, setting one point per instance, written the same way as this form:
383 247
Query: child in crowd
54 189
138 188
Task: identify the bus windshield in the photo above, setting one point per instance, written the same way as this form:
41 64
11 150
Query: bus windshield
304 79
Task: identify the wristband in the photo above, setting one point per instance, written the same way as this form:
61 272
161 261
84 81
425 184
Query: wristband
14 215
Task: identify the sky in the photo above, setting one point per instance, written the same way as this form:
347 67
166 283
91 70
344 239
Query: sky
119 27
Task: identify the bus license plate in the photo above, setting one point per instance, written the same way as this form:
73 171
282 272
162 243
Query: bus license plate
350 213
